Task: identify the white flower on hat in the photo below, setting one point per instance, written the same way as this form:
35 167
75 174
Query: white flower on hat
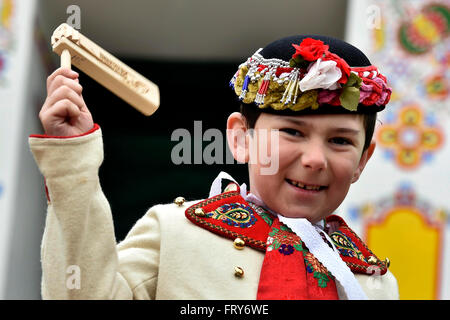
321 74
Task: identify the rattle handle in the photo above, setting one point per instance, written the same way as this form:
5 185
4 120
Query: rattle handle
65 59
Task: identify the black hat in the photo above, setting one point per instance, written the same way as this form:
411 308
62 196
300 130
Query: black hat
311 74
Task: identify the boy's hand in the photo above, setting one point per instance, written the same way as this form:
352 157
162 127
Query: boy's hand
64 112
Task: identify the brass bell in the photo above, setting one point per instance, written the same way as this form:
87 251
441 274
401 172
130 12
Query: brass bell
239 243
372 260
179 201
199 212
238 272
387 262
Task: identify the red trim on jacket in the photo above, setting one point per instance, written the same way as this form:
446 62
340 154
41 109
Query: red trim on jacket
95 128
353 251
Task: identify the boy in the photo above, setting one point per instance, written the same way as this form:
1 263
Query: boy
277 241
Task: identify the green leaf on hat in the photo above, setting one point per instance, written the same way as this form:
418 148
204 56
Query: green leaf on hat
349 97
353 81
298 62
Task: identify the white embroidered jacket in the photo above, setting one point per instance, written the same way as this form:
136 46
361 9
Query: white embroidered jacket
164 256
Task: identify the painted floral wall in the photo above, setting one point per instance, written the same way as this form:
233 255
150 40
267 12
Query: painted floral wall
401 204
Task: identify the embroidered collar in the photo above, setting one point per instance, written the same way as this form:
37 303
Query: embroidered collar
229 215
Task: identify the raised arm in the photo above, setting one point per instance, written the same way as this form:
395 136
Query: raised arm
79 255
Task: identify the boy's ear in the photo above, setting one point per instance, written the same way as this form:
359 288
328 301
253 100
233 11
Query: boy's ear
237 137
367 154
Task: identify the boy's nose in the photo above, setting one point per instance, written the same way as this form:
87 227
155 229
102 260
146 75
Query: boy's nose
313 157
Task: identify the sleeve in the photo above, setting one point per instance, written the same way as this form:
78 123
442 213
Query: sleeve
79 254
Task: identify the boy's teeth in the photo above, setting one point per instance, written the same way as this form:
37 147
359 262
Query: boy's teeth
298 184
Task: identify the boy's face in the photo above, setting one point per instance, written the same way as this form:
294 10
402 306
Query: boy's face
319 157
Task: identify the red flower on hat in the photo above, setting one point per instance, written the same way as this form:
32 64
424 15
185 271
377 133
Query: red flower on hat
310 49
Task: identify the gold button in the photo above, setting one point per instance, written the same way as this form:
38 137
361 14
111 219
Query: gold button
372 260
387 262
239 243
199 212
179 201
238 272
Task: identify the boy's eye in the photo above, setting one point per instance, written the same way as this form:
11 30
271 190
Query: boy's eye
341 141
292 132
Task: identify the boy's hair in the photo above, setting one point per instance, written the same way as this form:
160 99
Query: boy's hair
252 113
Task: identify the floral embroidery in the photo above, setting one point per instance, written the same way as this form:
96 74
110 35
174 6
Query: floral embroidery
286 249
269 244
234 214
286 242
346 246
284 236
314 266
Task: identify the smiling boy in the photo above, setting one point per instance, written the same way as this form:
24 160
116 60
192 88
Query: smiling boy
277 241
319 157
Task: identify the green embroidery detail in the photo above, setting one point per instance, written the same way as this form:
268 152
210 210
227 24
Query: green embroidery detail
314 266
322 279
